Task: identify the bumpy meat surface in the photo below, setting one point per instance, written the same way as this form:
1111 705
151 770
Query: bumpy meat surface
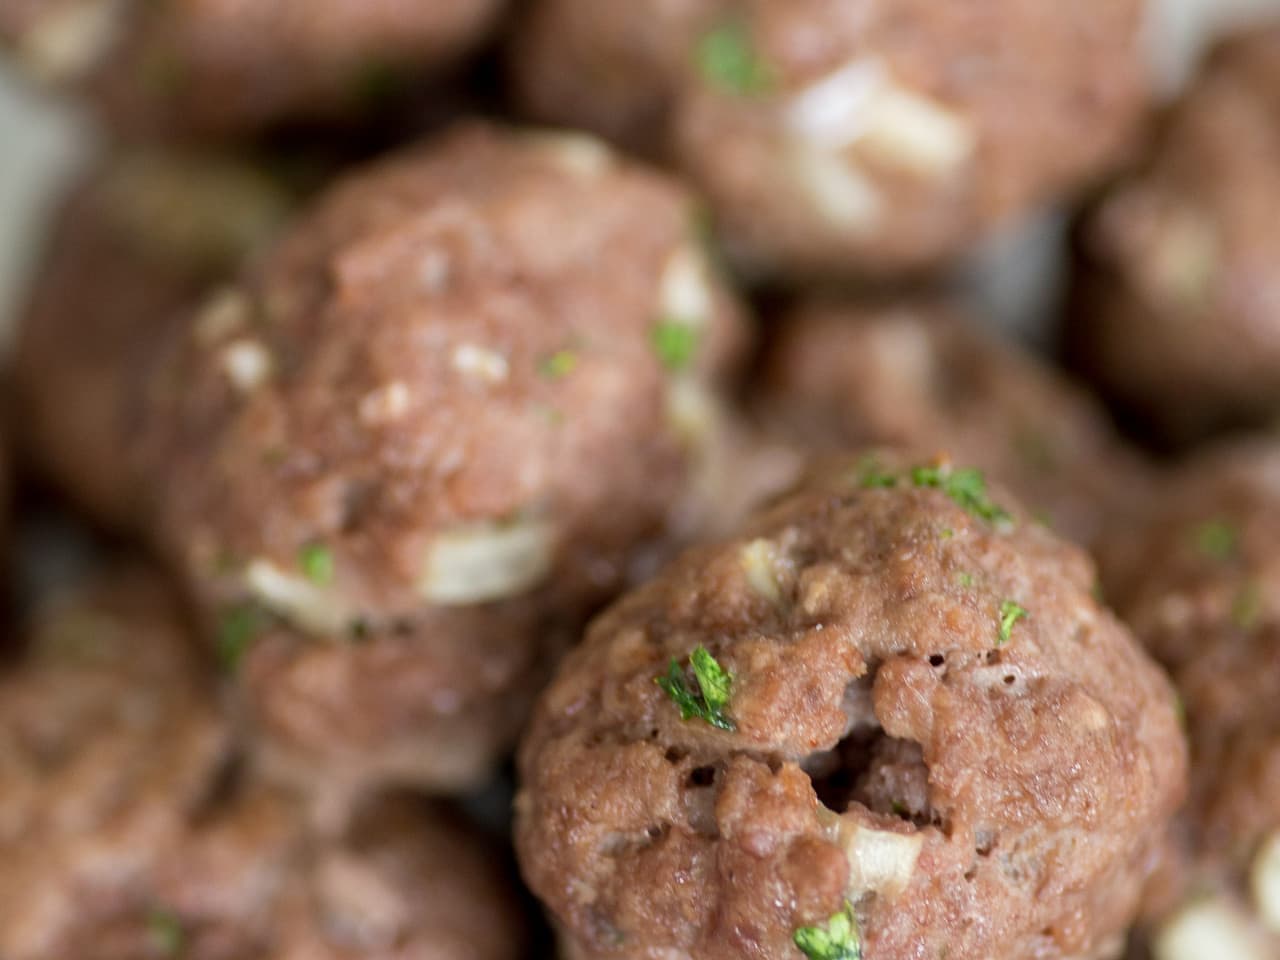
1176 312
919 372
930 718
137 244
1197 577
224 68
832 136
127 833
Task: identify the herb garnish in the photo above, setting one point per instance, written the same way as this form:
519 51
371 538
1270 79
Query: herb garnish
239 627
714 689
967 486
559 365
1246 609
165 931
675 343
1010 613
840 939
1216 539
316 563
728 61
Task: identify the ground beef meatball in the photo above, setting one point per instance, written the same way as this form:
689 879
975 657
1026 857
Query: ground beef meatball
1177 311
139 242
442 417
840 374
1197 576
832 136
217 68
888 713
126 832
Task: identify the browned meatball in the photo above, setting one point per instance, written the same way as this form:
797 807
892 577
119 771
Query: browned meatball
834 136
139 242
1197 577
892 695
1178 303
918 371
217 68
124 833
452 409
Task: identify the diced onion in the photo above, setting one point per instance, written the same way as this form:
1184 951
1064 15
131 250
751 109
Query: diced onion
1209 928
485 562
298 600
759 563
1265 880
880 860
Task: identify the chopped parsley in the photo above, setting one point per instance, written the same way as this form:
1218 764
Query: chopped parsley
840 939
316 563
966 487
964 578
728 61
872 476
559 365
165 932
1246 609
1216 539
1010 613
714 689
239 627
675 343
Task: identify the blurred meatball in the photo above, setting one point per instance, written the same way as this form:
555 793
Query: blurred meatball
1178 303
1198 576
141 240
467 393
887 719
844 374
833 137
224 68
125 832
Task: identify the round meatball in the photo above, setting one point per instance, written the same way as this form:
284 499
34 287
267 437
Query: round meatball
833 137
1197 577
839 375
224 68
137 244
442 416
127 832
1177 312
887 719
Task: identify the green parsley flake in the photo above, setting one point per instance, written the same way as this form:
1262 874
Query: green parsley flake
1010 613
840 939
237 630
966 487
1246 609
559 365
1216 539
165 932
714 689
316 563
675 343
728 61
872 476
964 578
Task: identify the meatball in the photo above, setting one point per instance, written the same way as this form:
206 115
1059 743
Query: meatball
829 136
888 714
227 68
1175 310
1196 576
917 371
126 831
138 243
441 417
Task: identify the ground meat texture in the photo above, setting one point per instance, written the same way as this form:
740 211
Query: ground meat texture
831 136
928 716
138 243
1175 313
843 374
127 831
1197 577
228 68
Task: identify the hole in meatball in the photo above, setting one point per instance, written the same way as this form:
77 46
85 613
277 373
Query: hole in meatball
870 768
937 660
674 755
702 777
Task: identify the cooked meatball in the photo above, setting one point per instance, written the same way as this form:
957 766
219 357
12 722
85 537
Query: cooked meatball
219 68
125 834
833 137
1177 310
139 242
1197 578
888 713
460 400
917 371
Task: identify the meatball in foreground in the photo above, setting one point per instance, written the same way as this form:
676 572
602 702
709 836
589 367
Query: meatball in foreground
223 68
833 137
465 396
127 832
141 241
1197 578
1177 310
888 719
919 372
